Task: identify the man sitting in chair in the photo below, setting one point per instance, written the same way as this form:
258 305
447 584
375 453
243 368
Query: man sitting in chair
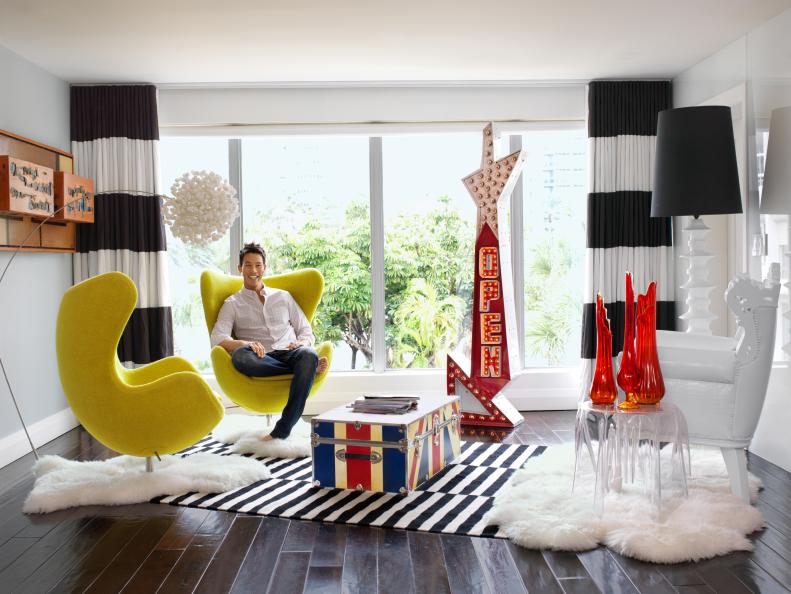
273 336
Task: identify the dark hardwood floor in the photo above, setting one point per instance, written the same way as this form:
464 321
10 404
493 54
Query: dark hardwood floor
160 548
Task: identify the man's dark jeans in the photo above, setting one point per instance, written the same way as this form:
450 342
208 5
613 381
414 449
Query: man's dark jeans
302 362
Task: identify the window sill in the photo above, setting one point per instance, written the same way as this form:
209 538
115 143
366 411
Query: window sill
554 388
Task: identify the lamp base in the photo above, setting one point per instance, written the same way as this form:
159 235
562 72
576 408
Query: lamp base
698 315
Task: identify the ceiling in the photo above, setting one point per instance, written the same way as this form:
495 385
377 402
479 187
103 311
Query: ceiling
248 41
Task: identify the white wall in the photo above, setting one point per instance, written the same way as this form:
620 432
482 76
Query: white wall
35 104
760 62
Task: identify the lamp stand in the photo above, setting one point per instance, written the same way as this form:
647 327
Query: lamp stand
698 315
19 414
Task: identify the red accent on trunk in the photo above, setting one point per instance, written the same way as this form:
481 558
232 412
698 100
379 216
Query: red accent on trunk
358 472
416 454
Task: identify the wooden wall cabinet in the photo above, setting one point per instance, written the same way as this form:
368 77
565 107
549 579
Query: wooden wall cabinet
76 193
26 188
58 234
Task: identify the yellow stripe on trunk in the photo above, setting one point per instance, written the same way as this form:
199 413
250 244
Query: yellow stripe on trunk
340 466
377 470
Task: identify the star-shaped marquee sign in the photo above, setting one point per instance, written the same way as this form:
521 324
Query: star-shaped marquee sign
479 381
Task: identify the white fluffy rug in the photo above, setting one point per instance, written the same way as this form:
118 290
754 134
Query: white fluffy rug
537 510
245 433
62 483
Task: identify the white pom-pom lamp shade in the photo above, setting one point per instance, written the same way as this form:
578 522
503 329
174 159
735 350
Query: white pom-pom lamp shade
776 193
202 208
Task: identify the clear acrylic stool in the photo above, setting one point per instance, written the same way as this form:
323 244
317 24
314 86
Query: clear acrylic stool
628 446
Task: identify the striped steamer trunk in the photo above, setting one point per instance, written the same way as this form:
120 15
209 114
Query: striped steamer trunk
385 453
621 235
115 141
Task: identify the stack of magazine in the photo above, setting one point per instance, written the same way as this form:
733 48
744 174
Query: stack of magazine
385 404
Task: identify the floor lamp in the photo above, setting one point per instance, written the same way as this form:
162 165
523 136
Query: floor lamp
776 192
696 174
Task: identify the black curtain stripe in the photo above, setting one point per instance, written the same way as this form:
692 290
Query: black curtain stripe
124 222
623 219
626 107
616 312
148 335
107 111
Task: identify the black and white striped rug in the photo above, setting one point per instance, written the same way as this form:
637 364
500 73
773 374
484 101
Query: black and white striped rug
452 502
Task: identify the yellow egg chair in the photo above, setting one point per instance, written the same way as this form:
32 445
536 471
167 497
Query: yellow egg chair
264 395
158 409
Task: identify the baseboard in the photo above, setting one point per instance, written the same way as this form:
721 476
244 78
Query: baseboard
563 401
14 446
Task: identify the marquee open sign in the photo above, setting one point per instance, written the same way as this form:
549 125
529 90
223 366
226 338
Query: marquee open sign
26 188
479 381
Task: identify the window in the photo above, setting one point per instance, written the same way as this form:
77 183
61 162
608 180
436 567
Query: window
429 220
307 199
554 189
179 155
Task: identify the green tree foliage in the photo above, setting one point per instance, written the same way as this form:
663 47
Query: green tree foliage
551 310
426 327
428 280
435 249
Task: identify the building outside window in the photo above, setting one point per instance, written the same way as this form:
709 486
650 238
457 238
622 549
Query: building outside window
554 183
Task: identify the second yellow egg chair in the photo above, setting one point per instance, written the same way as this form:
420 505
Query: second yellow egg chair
264 395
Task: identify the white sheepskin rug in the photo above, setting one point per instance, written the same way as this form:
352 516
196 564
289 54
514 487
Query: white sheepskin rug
536 509
62 483
245 433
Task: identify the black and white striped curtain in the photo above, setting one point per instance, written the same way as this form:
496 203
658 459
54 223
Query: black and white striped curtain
115 141
622 236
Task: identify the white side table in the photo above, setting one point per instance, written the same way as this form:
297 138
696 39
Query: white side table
628 445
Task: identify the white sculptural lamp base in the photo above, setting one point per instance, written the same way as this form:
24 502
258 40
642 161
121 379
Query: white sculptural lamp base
698 315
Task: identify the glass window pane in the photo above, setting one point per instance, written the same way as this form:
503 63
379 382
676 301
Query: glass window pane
179 155
554 188
429 220
306 200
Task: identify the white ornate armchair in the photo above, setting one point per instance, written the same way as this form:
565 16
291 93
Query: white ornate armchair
720 383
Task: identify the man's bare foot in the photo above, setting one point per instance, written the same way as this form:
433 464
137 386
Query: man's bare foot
267 437
322 366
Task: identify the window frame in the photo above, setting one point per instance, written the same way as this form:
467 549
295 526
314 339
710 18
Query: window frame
552 387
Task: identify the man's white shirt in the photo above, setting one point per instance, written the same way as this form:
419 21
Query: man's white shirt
275 324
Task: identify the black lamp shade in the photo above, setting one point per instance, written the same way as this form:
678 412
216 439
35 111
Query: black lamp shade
695 172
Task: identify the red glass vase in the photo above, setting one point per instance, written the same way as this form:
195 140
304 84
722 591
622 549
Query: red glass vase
629 372
651 386
603 389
